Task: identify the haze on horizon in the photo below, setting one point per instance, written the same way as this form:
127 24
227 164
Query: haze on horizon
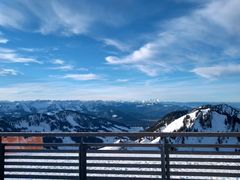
171 50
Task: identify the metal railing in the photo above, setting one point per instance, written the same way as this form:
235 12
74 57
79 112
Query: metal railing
126 160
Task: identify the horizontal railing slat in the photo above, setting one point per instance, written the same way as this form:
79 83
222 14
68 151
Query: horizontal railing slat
203 159
118 178
41 170
40 176
42 157
205 153
124 158
40 164
122 134
125 151
118 172
42 144
40 151
204 167
209 174
206 145
123 144
124 165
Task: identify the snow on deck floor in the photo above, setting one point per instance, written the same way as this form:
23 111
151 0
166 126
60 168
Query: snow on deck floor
125 162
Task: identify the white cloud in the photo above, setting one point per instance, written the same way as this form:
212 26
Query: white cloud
115 43
31 49
8 72
82 77
64 67
215 71
65 17
3 40
58 61
65 20
224 13
11 17
188 41
9 55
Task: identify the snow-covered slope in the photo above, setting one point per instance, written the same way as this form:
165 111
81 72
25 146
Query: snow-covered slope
63 121
209 118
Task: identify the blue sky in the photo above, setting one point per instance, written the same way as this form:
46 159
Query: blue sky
173 50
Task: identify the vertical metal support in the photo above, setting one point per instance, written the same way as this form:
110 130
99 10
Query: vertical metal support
163 165
82 161
165 159
2 151
167 163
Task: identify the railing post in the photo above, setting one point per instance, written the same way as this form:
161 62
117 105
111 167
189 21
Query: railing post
82 160
167 163
165 160
2 151
163 166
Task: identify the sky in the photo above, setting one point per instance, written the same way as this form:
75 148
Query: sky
171 50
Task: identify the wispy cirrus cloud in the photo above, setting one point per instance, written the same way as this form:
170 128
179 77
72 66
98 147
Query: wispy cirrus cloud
58 61
116 44
82 77
187 42
3 40
63 67
8 72
12 56
216 71
10 17
60 17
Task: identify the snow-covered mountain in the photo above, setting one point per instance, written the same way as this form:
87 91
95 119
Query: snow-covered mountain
62 121
131 113
209 118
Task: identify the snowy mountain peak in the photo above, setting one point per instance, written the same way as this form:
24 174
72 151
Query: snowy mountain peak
208 118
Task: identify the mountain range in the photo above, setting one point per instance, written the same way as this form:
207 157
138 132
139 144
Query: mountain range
119 116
